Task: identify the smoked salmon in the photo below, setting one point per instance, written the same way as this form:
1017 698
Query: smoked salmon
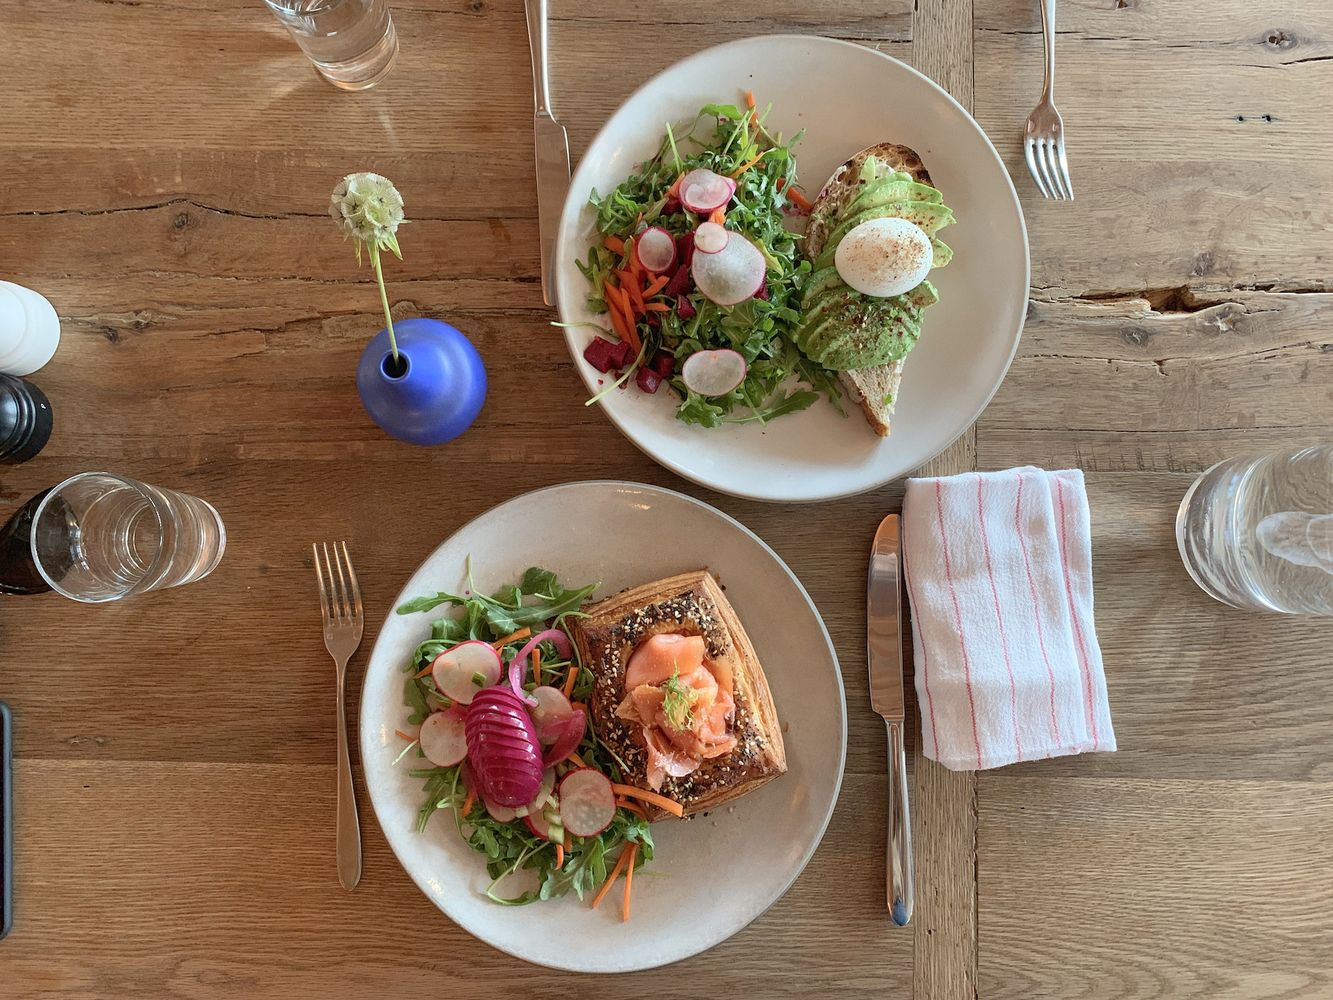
683 703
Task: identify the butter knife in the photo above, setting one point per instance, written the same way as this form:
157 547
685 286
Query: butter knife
884 653
552 146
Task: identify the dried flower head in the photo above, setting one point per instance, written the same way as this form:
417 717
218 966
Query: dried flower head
368 208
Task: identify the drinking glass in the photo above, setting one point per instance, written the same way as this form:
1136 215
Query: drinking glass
100 537
1256 532
351 42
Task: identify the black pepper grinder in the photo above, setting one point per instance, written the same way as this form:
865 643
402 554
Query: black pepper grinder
25 419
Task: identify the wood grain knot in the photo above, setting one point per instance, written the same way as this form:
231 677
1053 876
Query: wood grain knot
1126 4
477 6
1280 38
181 221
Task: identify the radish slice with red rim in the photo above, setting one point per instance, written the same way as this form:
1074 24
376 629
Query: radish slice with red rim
456 671
551 713
569 739
733 274
443 739
587 802
710 237
702 190
499 813
656 249
713 373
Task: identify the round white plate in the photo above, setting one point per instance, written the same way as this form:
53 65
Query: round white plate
712 875
847 97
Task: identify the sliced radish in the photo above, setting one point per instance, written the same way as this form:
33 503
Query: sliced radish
443 740
713 373
587 802
542 797
569 738
733 274
456 670
702 190
519 663
546 824
551 713
499 813
710 237
656 249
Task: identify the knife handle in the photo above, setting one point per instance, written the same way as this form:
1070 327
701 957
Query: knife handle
541 73
900 878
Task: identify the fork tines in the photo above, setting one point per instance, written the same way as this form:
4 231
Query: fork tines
340 598
1045 154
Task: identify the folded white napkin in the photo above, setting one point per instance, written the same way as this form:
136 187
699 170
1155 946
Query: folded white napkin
999 573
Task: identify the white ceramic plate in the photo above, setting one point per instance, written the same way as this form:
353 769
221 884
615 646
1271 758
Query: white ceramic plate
847 97
712 875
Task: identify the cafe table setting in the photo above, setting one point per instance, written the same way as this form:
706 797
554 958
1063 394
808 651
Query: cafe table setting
790 512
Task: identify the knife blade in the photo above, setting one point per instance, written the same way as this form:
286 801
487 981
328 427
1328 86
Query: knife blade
884 656
551 144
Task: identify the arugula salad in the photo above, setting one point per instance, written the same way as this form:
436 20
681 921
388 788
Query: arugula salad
498 733
700 278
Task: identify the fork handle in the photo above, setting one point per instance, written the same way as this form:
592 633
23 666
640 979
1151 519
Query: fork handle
349 831
1048 43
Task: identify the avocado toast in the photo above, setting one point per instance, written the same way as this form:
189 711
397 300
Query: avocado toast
865 339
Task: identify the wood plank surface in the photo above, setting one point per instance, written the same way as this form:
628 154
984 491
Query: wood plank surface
165 161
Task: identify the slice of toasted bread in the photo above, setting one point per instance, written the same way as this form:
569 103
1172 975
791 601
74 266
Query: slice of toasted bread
874 389
687 604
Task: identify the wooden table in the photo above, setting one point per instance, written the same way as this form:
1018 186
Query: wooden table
166 165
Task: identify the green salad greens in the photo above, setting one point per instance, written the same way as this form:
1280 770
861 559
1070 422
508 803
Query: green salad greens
735 143
506 618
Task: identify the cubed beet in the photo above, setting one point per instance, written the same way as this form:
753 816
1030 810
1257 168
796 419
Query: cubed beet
621 355
664 364
685 248
672 206
599 354
763 291
648 380
685 308
680 282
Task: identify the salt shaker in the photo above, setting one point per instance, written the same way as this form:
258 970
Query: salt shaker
29 329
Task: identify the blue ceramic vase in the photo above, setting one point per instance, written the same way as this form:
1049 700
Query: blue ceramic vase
434 394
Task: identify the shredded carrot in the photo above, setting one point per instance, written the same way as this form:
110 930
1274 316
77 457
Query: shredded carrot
469 802
574 758
403 736
626 804
660 307
749 98
655 286
615 873
569 843
569 681
614 244
719 215
782 183
622 297
629 881
429 667
537 665
799 200
746 166
661 801
617 320
580 705
559 856
635 295
522 633
674 190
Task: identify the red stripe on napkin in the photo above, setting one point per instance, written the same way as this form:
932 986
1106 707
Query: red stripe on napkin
958 621
1073 615
1036 604
999 620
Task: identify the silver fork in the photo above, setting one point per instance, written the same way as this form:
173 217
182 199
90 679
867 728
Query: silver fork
1044 137
340 600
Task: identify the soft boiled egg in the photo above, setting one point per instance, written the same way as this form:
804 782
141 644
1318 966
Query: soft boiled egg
884 257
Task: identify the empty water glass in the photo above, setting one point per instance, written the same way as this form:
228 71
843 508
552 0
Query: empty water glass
100 537
1256 532
351 42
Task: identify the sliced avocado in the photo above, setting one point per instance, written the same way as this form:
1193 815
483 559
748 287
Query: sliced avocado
861 332
943 253
836 293
820 282
885 190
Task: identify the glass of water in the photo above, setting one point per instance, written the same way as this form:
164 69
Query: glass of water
1256 532
100 537
351 42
